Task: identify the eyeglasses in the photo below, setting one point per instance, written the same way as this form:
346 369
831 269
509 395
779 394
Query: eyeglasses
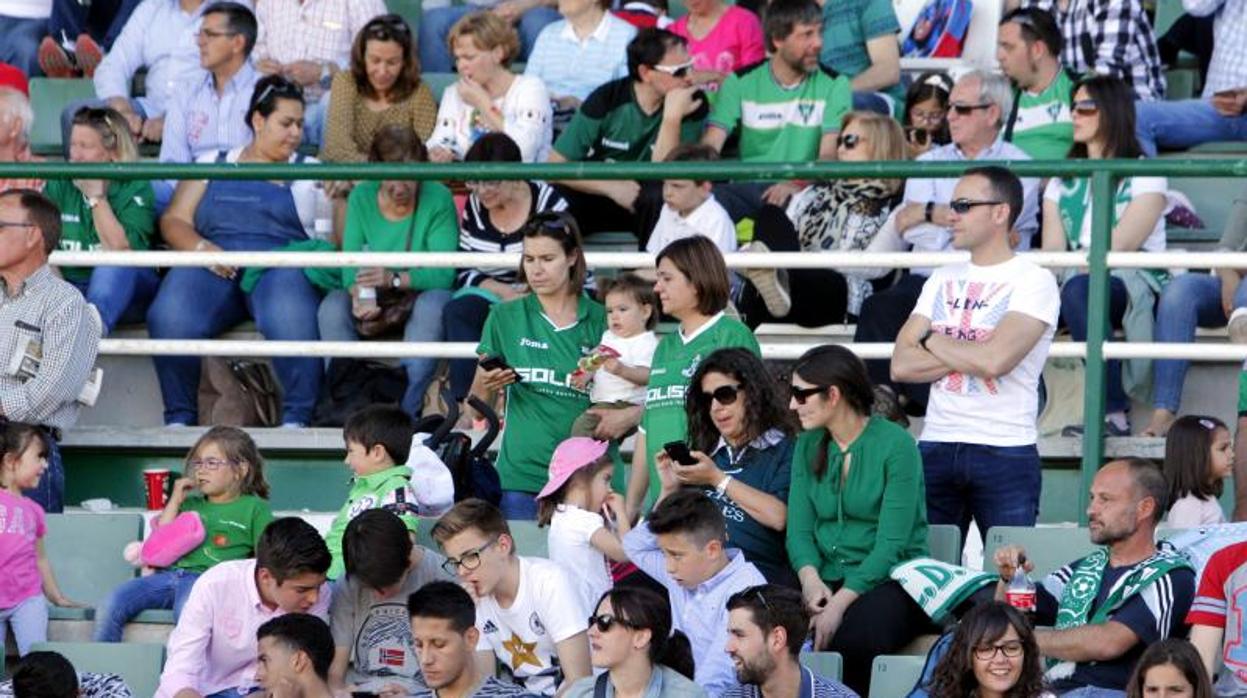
468 561
802 394
967 109
15 224
724 394
963 206
849 141
1085 107
927 117
211 463
1010 649
675 71
605 621
213 34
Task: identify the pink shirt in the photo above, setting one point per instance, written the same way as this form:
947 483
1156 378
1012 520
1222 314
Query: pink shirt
213 647
22 524
734 42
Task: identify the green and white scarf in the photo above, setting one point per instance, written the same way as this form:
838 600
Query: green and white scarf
1074 205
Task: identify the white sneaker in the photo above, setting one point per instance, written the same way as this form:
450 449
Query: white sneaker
1237 326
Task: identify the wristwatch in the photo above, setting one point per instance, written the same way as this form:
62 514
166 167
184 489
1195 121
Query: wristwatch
396 281
922 341
92 201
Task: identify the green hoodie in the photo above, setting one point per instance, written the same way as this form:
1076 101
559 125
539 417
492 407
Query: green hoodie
385 489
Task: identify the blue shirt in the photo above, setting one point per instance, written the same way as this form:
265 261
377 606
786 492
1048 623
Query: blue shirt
201 121
812 686
569 66
764 464
701 612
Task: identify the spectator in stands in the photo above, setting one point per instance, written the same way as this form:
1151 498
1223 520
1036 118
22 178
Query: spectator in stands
1104 130
213 647
980 334
741 434
861 40
721 38
767 627
527 17
395 216
1216 617
16 119
790 88
22 24
979 104
689 207
573 56
528 613
632 638
294 652
492 221
993 654
683 545
842 537
539 336
383 568
1198 459
233 509
443 629
50 675
103 214
925 118
841 215
692 288
1170 667
1142 591
242 215
635 119
79 35
1107 37
310 47
488 96
52 333
1028 46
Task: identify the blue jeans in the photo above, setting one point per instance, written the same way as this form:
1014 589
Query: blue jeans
164 589
424 325
196 304
121 294
1094 691
1184 124
1189 301
518 506
102 20
19 43
464 320
994 485
1074 313
50 492
29 620
435 26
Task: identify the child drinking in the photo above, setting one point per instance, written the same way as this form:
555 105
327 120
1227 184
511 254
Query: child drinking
1198 458
226 468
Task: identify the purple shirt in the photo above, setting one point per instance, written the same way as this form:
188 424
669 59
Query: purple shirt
21 526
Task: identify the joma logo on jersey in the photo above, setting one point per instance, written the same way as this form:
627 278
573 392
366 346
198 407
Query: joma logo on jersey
533 344
670 392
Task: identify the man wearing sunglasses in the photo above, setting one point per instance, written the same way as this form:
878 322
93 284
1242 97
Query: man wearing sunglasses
1028 46
980 334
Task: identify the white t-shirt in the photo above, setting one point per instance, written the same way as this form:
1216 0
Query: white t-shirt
26 9
1192 511
1126 192
708 220
966 301
526 118
633 351
570 530
546 611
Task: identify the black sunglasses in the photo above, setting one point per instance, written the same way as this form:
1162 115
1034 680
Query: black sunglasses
385 26
606 621
963 206
802 394
724 394
849 141
1085 107
967 109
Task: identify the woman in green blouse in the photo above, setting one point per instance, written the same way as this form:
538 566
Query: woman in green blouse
855 509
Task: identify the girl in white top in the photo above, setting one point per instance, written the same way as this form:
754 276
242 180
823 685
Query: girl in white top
1199 456
576 503
488 96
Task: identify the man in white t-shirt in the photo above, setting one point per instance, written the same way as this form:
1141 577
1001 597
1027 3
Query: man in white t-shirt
980 334
528 611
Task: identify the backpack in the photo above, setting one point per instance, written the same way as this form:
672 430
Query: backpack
353 384
934 655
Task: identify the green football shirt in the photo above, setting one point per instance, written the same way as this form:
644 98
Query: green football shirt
610 127
1044 127
781 124
675 361
231 530
543 404
847 26
434 229
133 204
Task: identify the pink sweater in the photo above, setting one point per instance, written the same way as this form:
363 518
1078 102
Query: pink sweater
21 527
734 42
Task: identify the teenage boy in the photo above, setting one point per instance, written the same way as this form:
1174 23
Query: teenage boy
295 652
683 545
377 438
368 610
689 208
213 647
528 611
443 624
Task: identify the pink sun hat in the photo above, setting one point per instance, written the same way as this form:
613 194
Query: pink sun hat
570 456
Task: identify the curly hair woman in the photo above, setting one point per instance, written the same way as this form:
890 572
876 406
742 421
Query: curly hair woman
993 655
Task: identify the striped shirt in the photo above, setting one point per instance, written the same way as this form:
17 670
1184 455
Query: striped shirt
812 686
478 234
312 30
50 317
1228 69
201 121
569 65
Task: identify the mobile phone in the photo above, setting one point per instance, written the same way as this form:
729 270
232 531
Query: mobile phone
679 453
364 694
496 363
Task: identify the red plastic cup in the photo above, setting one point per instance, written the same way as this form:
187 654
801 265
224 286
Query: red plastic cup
156 482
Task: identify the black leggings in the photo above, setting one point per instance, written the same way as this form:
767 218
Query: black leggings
881 621
819 296
599 214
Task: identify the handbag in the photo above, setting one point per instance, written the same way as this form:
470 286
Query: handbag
395 303
167 544
238 393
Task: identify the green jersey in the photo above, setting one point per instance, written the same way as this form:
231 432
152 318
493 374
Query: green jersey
434 229
231 530
611 127
132 202
781 124
847 26
388 489
544 403
675 361
1044 127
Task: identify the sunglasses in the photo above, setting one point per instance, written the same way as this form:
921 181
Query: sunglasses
280 88
724 394
963 206
802 394
1085 107
605 621
849 141
967 109
387 26
675 71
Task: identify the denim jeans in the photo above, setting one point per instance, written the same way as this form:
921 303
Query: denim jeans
1184 124
1074 312
1095 691
1189 301
164 589
29 620
50 492
994 485
463 320
424 325
518 506
196 304
121 294
102 19
435 26
19 43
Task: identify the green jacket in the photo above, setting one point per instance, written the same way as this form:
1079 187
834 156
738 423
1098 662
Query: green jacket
386 489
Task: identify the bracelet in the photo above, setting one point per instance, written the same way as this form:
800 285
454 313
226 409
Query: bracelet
721 488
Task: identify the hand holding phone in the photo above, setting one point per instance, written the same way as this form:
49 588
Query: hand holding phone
497 363
678 451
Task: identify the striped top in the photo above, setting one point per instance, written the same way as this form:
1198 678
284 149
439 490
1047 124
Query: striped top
478 234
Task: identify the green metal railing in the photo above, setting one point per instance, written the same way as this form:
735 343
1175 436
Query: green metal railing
1104 175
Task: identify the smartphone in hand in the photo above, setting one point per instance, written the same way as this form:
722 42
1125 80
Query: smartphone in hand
678 450
497 363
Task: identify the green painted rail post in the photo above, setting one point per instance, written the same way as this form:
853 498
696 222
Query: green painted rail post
1102 189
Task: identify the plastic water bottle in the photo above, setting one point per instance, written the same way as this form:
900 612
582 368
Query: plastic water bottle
365 296
1020 593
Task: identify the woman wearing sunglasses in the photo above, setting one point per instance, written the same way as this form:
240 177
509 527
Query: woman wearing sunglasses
741 434
630 636
1104 129
856 509
722 38
993 655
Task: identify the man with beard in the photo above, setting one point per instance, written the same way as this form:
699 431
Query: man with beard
1028 46
766 626
1107 607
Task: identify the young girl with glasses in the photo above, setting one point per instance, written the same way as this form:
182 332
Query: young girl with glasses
993 655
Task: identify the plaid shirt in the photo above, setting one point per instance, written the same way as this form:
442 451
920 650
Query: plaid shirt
312 30
1109 37
1228 69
